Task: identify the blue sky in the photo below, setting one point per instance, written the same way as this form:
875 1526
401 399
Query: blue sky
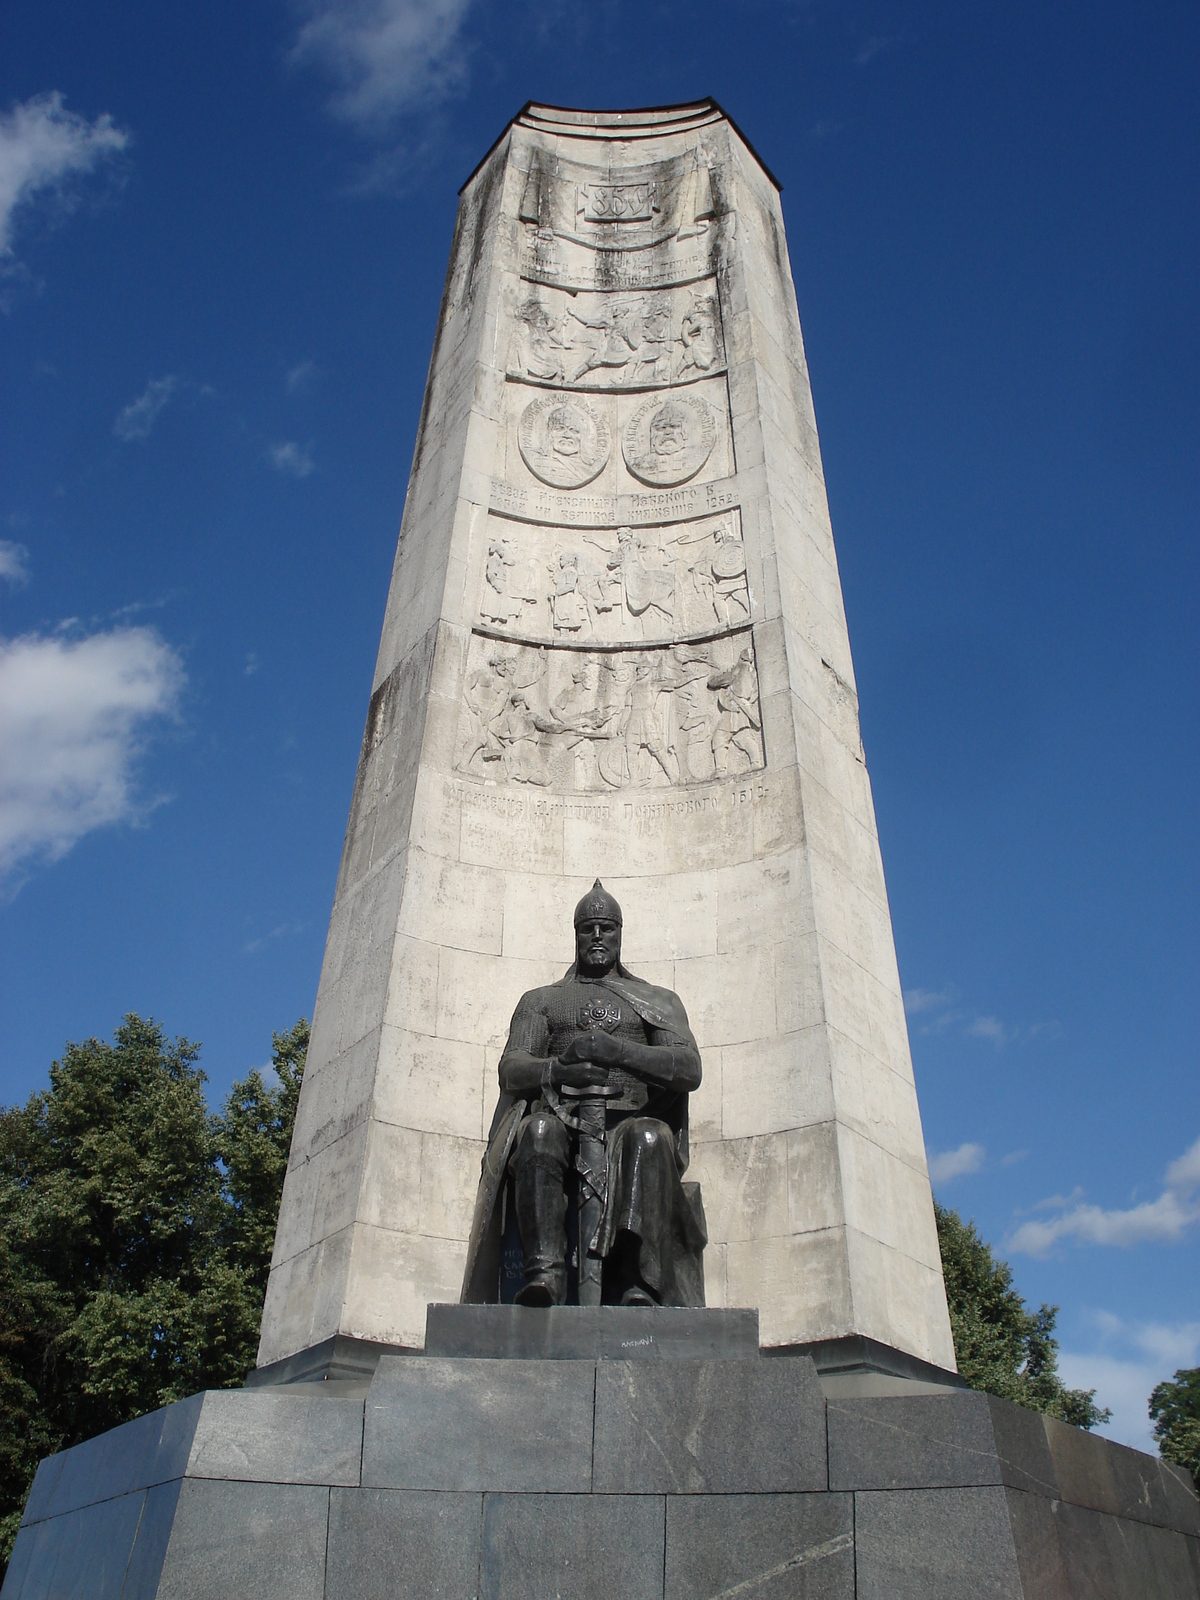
223 233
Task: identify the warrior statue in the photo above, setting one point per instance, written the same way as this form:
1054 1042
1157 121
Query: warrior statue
594 1085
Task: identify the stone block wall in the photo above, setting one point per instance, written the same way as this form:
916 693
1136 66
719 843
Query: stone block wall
658 1479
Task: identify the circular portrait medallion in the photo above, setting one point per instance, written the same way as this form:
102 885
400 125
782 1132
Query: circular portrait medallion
666 442
564 440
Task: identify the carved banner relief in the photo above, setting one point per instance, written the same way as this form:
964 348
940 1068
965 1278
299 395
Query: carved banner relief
576 720
585 228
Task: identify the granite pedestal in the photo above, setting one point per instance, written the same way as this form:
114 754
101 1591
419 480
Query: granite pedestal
654 1476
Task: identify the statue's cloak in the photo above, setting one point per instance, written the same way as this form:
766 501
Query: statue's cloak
661 1008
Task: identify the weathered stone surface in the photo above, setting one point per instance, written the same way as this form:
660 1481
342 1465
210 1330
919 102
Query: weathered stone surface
935 1544
649 535
458 1424
574 1547
777 1546
1183 1506
1113 1557
917 1442
573 1333
676 1478
751 1426
265 1540
1034 1522
273 1436
1022 1448
94 1549
150 1546
403 1544
1103 1476
34 1570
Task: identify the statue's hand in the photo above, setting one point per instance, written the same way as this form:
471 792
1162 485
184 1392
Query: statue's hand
571 1074
595 1046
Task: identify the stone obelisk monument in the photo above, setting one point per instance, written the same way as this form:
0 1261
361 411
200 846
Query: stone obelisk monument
615 644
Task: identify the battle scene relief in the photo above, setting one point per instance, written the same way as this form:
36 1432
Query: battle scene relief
578 586
575 721
613 341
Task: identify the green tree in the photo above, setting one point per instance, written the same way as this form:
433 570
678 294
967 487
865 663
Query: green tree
999 1344
1175 1412
135 1239
253 1135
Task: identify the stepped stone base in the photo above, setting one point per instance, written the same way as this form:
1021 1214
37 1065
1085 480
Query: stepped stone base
653 1479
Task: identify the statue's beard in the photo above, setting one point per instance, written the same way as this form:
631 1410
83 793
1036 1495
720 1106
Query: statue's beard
595 964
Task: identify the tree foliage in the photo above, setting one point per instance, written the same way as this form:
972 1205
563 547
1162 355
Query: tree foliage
1000 1345
1175 1411
135 1239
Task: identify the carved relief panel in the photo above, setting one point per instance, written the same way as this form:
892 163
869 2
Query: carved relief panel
570 440
613 341
576 720
646 226
615 585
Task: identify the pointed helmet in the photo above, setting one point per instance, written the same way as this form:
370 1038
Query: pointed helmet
597 904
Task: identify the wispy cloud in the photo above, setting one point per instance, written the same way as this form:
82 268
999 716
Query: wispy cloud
253 946
956 1163
918 1000
292 458
871 47
989 1028
301 376
1164 1220
385 56
940 1013
74 716
251 666
137 418
14 562
43 147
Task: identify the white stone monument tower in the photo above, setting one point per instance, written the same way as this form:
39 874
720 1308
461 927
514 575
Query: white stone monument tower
615 645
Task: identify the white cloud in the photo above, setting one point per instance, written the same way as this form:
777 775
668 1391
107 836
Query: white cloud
300 377
956 1163
42 147
140 415
14 562
1164 1220
1146 1353
918 1000
73 720
292 458
990 1028
387 56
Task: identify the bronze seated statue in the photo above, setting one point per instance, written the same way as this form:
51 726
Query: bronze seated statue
588 1147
